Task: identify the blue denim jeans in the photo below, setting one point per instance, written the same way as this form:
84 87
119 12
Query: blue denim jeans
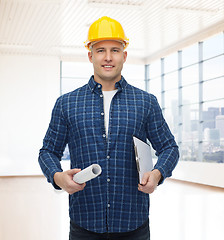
78 233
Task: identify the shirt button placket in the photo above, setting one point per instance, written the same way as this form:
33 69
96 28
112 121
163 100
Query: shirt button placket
102 113
108 180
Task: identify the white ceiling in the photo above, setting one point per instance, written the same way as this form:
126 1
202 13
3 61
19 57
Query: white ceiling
59 27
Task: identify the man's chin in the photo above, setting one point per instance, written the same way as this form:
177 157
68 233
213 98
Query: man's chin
110 79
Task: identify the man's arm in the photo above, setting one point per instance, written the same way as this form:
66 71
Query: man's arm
53 144
163 142
50 155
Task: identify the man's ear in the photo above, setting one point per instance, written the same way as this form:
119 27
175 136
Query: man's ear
90 56
125 56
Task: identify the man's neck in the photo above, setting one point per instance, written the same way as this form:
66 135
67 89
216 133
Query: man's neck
108 87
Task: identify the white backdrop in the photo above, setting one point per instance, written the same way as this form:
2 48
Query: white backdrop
29 87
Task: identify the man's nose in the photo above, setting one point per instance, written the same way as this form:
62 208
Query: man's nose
108 56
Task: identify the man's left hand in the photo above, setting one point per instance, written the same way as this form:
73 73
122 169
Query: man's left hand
150 181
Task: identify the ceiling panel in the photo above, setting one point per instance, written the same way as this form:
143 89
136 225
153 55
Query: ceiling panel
59 27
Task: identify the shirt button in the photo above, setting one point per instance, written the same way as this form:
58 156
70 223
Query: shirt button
108 205
99 86
108 180
104 135
101 95
102 113
108 157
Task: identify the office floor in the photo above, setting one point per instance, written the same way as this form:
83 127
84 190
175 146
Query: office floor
187 211
31 209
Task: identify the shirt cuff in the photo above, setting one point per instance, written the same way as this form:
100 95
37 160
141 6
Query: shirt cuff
162 173
51 180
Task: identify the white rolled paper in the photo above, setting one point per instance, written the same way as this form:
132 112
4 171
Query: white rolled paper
87 174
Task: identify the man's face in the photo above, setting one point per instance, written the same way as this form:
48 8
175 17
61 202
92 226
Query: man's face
108 58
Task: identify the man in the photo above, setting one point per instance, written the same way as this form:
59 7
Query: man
98 122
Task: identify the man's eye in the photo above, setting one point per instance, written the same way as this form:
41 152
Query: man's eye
115 50
100 50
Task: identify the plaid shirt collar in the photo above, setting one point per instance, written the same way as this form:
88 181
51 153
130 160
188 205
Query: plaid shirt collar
95 87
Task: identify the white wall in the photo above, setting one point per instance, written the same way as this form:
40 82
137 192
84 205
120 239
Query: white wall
29 86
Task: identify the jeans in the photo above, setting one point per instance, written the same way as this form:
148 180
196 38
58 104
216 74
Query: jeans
78 233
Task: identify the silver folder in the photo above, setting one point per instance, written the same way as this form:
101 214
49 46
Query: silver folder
143 157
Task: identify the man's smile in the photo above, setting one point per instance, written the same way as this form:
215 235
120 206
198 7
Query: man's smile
108 66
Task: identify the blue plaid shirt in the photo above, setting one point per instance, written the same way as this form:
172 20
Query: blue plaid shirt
110 202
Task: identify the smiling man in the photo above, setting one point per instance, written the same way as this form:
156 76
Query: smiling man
108 58
98 122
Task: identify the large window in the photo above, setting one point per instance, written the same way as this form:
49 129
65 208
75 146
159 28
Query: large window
74 75
189 85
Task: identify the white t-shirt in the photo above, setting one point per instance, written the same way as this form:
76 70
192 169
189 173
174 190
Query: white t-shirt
107 98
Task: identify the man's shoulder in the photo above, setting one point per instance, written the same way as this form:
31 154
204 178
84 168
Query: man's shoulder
66 99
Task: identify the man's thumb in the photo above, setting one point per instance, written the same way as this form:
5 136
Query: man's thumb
144 179
74 171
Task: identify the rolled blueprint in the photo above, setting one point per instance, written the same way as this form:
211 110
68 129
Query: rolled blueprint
87 174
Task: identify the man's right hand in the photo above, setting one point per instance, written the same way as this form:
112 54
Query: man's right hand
65 181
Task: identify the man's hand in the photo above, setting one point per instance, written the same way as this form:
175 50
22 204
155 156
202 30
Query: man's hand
150 181
65 181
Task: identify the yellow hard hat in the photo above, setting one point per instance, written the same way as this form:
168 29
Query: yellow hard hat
106 28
